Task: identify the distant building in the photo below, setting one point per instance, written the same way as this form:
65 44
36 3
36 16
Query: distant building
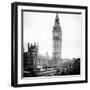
57 41
43 61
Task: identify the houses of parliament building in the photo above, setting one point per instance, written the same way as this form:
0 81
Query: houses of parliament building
32 59
37 65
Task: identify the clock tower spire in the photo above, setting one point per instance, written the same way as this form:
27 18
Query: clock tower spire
57 41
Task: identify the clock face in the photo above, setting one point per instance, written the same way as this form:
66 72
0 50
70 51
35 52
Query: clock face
55 33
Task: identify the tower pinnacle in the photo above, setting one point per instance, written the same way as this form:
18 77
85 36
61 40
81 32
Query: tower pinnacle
57 18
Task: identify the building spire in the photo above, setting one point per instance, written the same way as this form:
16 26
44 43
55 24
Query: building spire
28 47
57 18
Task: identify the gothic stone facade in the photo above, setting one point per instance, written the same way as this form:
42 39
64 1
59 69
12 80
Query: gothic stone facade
57 41
30 57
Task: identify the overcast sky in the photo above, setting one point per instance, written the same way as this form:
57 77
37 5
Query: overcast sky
38 28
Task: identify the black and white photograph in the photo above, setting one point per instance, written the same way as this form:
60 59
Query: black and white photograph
51 44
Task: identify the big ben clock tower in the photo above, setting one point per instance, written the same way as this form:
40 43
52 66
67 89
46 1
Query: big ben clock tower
57 42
